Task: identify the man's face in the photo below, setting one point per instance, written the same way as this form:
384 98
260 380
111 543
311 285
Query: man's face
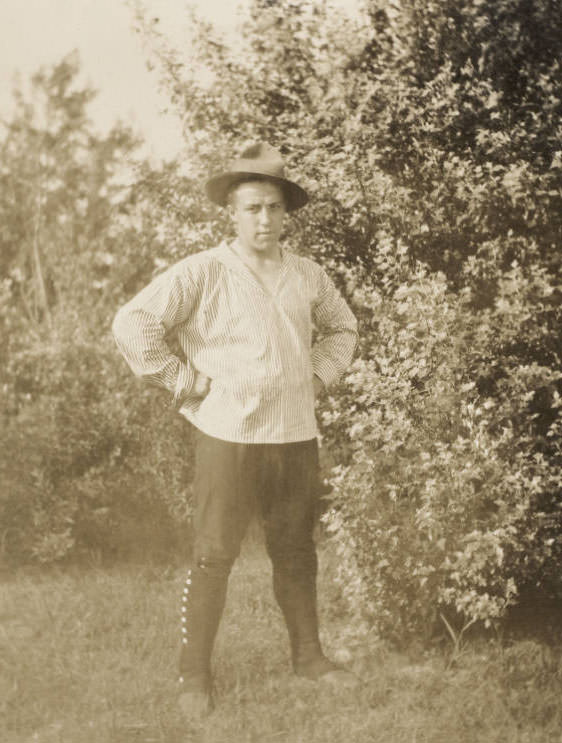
258 209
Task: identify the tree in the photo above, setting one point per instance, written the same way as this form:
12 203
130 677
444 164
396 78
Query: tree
80 224
429 133
57 189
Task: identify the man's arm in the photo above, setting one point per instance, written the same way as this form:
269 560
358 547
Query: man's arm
318 385
333 352
140 329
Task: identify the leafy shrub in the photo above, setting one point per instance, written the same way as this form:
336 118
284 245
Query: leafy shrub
89 464
429 136
447 498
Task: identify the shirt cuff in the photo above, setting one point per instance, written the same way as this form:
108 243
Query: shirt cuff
184 383
325 370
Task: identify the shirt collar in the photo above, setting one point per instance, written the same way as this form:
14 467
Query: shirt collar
227 255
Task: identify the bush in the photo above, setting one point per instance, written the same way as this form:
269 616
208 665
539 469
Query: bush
90 462
447 498
89 465
429 136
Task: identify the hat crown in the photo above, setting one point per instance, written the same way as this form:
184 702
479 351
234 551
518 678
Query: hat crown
260 158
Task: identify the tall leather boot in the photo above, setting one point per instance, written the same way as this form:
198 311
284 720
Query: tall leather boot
294 586
203 600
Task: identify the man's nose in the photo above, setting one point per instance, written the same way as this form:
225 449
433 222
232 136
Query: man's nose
264 215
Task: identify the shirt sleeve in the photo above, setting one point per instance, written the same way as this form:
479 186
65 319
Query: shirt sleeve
333 351
140 328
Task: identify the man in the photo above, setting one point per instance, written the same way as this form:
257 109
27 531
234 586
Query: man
244 314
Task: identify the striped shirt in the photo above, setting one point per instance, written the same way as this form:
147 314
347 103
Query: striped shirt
256 346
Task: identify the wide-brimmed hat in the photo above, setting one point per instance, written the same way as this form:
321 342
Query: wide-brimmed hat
264 162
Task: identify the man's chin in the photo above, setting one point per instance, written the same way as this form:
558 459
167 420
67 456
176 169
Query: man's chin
265 243
260 245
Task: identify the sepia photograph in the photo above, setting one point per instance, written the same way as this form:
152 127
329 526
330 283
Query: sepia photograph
281 371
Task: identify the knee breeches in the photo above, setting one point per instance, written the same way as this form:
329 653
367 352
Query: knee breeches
233 481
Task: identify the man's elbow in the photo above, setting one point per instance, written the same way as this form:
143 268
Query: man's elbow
116 324
120 328
352 331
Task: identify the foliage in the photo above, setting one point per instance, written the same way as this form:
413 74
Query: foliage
89 480
447 501
88 463
429 135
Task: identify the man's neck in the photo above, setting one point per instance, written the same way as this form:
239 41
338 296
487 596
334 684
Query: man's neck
258 259
266 267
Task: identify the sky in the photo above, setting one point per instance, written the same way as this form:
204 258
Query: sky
40 32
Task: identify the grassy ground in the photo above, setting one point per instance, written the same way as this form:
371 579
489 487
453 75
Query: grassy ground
90 655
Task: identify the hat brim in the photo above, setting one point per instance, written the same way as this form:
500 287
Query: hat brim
218 187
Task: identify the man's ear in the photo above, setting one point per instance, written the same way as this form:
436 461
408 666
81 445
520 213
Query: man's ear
230 205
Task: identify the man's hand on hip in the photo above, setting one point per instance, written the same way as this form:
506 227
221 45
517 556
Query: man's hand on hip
201 386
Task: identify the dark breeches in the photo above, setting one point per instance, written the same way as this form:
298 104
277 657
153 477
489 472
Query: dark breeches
232 482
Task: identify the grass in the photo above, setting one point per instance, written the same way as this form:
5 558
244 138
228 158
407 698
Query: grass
90 656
